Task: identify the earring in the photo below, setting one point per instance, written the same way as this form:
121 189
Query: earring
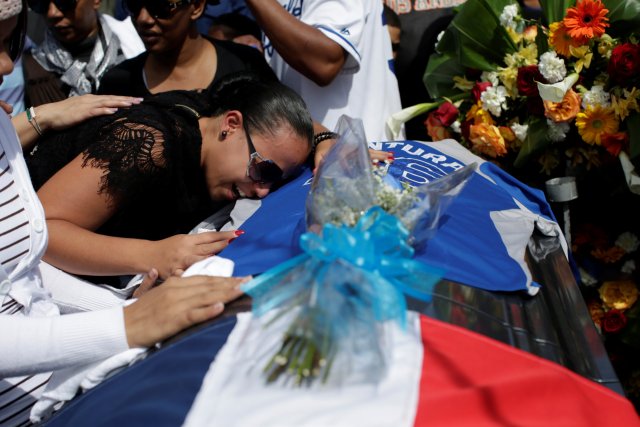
223 134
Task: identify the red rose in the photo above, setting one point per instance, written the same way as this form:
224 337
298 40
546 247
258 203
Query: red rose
435 129
624 63
527 78
447 113
613 321
614 143
478 88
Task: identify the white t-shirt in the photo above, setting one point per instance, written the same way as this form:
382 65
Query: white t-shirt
366 87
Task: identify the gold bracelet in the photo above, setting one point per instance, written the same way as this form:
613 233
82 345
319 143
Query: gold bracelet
31 118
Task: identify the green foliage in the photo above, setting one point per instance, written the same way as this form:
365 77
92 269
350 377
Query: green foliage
475 37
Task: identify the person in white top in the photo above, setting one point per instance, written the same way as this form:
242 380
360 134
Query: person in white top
80 45
336 54
35 337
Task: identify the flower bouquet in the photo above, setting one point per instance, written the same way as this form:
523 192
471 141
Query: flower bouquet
355 270
555 93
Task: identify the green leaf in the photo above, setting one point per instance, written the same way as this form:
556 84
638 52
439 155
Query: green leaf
554 10
475 36
633 127
624 17
438 77
535 142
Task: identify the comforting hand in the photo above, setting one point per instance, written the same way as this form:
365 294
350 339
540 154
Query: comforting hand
176 305
71 111
323 148
175 254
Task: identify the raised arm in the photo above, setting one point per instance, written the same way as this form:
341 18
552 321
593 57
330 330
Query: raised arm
304 47
75 207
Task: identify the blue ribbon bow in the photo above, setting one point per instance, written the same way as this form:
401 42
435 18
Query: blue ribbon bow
374 252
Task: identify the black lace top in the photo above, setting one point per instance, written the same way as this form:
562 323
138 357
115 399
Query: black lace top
151 157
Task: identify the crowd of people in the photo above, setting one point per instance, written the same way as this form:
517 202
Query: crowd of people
132 131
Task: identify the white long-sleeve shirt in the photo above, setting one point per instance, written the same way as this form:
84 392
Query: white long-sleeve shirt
35 338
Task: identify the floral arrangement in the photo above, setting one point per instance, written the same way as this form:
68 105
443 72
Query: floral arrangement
356 267
521 92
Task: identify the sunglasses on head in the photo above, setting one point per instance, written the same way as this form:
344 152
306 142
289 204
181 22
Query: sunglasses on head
259 169
41 7
158 9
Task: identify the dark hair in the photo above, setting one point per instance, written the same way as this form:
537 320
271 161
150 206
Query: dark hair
236 24
390 16
264 105
16 41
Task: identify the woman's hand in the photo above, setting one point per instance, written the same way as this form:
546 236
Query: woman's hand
176 305
323 148
72 111
175 254
66 113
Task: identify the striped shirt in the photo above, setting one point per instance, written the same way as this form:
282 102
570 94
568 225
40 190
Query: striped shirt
17 395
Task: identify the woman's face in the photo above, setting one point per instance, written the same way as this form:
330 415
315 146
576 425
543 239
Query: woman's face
225 164
75 25
168 34
6 64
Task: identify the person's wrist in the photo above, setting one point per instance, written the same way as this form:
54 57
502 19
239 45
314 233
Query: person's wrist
318 138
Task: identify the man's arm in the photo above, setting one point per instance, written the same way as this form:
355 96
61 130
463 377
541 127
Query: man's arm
302 46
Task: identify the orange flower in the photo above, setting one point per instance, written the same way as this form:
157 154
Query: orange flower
619 294
486 139
436 130
595 122
560 40
586 20
478 115
507 134
609 256
564 111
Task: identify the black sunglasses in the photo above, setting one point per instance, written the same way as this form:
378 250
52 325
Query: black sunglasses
158 9
259 169
41 7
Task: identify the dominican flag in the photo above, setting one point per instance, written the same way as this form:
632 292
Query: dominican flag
440 375
481 240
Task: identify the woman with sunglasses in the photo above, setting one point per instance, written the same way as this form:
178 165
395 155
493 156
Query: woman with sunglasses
80 45
177 56
35 338
133 182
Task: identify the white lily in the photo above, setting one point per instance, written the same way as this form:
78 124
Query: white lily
556 92
394 123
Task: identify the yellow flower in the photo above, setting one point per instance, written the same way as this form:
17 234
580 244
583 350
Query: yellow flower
605 46
620 107
588 155
596 121
529 54
509 78
584 56
515 36
548 162
486 139
619 294
478 115
460 82
632 96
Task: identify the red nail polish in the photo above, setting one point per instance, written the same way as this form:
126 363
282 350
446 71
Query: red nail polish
239 232
231 240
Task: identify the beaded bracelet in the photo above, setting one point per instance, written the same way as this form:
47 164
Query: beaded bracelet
323 136
31 118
